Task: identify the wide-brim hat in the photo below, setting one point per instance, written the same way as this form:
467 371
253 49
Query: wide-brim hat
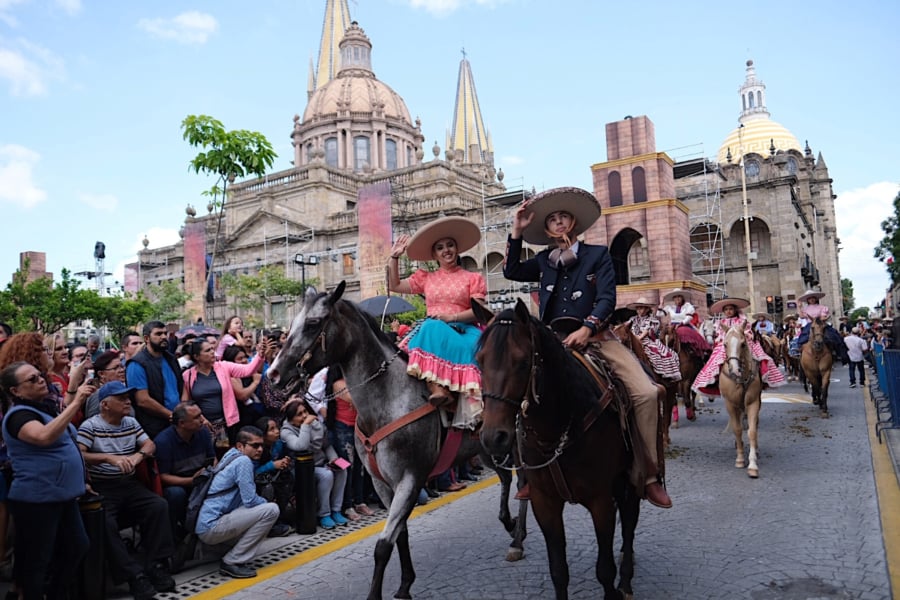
676 292
791 317
639 302
580 203
462 230
811 294
717 307
843 318
761 315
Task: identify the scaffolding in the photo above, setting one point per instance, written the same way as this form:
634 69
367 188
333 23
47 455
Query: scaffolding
704 202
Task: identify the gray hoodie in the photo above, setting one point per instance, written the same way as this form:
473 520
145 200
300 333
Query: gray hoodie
309 438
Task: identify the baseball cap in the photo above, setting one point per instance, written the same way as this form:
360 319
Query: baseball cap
114 388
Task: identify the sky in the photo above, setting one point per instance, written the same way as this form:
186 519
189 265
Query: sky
93 93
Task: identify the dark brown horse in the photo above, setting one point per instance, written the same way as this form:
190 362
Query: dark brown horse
690 365
536 391
791 361
816 360
624 334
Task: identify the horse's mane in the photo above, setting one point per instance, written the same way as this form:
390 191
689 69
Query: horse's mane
563 379
369 320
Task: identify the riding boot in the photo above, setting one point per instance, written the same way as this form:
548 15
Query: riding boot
441 397
656 495
524 493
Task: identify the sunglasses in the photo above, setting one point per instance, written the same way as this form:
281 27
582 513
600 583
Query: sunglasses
34 379
255 445
117 368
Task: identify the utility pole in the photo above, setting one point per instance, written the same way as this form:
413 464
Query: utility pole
751 288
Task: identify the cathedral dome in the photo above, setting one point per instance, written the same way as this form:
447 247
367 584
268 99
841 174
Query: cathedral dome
355 92
757 132
758 136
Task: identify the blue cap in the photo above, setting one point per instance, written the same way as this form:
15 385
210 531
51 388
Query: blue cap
114 388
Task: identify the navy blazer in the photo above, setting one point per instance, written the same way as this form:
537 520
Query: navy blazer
583 289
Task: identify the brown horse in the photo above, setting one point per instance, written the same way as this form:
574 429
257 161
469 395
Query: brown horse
816 360
538 393
624 334
740 385
791 362
771 345
690 365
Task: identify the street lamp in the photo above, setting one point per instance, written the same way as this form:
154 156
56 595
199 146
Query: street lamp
303 260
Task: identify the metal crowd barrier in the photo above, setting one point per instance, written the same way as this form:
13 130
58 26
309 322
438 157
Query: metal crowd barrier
887 399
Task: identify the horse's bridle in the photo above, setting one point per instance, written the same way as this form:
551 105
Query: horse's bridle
320 340
750 372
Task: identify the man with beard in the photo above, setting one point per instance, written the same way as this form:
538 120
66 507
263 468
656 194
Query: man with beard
156 377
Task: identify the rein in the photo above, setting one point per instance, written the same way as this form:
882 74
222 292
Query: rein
749 371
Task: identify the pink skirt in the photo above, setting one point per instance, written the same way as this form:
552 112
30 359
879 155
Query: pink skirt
708 375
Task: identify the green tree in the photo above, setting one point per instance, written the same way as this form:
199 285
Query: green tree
121 314
412 316
43 306
251 293
227 155
847 294
888 250
167 302
862 311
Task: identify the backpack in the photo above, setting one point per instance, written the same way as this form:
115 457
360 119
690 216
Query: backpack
200 492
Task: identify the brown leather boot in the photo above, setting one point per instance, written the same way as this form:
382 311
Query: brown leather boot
656 495
524 493
441 397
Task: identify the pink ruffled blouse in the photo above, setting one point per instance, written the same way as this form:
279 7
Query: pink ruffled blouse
448 291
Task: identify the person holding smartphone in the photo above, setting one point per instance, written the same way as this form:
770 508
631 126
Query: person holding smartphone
303 431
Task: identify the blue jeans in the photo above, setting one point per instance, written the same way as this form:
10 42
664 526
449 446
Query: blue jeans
861 367
342 438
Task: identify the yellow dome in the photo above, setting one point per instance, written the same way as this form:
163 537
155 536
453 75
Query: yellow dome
356 94
758 135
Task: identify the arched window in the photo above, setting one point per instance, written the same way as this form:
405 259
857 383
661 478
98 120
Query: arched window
309 151
760 242
409 156
627 241
331 152
639 184
614 182
390 148
751 99
759 98
361 159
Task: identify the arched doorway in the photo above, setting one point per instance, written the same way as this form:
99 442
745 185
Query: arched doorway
622 245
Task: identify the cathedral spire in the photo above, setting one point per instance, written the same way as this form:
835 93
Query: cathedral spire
335 23
753 96
469 137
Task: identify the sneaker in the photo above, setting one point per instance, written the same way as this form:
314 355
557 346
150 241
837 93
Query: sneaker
338 518
141 588
160 578
352 514
280 530
326 522
853 385
364 510
236 571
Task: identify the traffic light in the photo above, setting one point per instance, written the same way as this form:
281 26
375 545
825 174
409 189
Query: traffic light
770 304
779 304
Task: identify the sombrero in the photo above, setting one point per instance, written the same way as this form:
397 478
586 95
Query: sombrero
580 203
639 302
721 304
763 315
676 292
810 294
464 231
791 317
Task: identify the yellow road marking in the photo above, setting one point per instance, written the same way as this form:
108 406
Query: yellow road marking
235 585
888 497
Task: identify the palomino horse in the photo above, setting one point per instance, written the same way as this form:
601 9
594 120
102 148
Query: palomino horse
398 433
624 334
573 449
741 386
816 361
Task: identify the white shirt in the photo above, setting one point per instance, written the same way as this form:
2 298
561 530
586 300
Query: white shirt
315 395
682 316
856 346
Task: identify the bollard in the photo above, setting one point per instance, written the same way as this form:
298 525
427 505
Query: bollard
92 575
305 492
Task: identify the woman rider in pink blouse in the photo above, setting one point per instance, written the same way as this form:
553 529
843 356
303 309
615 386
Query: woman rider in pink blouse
442 349
810 312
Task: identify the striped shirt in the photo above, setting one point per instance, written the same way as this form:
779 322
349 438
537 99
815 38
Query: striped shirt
123 439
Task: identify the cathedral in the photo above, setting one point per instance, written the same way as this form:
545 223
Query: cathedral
359 177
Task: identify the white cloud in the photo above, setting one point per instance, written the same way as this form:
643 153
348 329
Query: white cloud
70 7
28 67
158 237
16 184
859 215
5 16
106 202
445 7
191 27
